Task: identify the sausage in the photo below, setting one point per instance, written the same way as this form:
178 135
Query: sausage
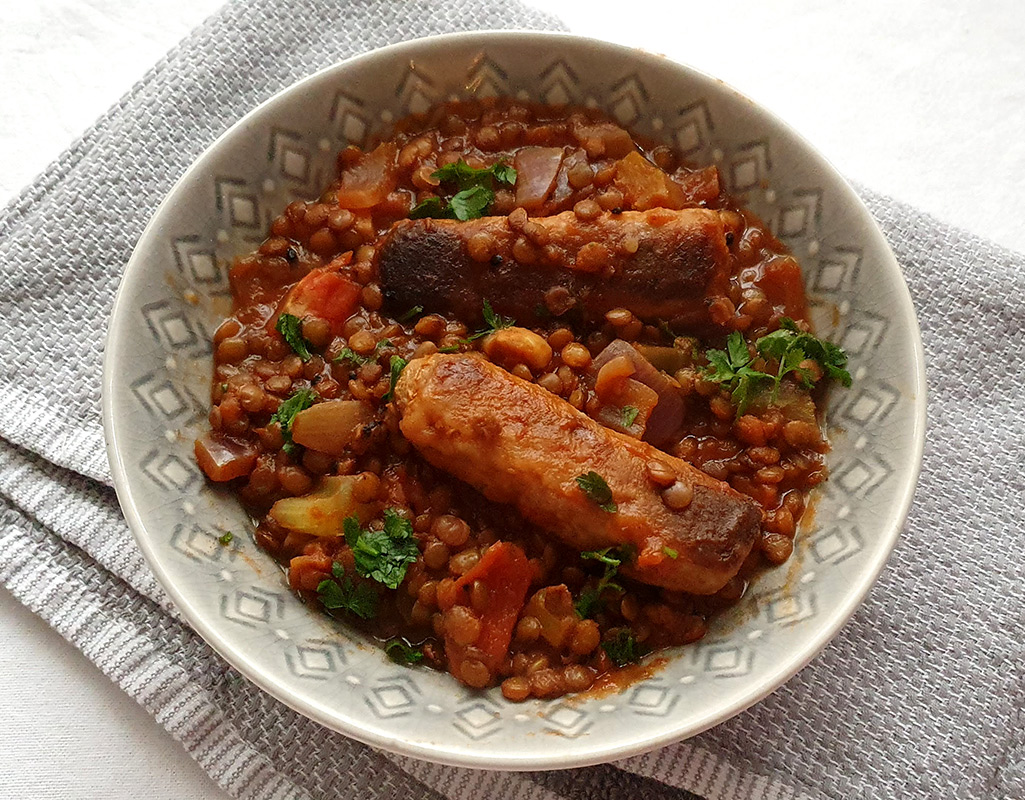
518 443
660 264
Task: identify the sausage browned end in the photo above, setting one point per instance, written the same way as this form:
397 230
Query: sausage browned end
659 264
518 443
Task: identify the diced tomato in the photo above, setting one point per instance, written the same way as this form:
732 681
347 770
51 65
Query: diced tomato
307 571
324 293
506 573
783 286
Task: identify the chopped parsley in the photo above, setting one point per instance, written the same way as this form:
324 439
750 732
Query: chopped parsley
226 537
350 355
671 552
298 401
291 328
474 195
452 349
597 490
629 415
401 652
590 600
622 648
732 367
382 555
492 322
414 312
341 592
397 365
788 346
432 207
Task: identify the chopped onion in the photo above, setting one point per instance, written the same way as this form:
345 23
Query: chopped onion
332 426
222 458
665 419
536 171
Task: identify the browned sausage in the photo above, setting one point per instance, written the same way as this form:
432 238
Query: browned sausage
520 444
659 264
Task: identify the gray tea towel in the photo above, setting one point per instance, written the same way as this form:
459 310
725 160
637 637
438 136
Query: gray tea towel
921 695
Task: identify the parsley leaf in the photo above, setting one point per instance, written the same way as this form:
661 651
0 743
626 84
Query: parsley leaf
291 328
226 537
401 652
415 311
790 346
348 354
732 367
452 349
298 401
341 592
629 415
597 490
382 555
465 176
590 599
471 203
671 552
397 365
475 191
492 321
622 647
433 208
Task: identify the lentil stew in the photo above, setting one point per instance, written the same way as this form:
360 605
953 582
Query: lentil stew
520 396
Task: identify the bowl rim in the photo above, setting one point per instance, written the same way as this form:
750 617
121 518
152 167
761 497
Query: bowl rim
483 759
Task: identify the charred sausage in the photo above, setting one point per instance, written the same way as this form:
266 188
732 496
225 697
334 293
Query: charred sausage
518 443
659 264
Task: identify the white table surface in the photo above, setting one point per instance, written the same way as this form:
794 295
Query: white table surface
922 100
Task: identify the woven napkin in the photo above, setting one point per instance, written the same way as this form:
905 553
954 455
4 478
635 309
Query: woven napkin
921 695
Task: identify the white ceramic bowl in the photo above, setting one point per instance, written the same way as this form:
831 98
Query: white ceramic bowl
175 291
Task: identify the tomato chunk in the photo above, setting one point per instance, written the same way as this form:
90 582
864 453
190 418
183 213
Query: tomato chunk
323 293
783 285
505 572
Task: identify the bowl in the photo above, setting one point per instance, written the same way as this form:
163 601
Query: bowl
158 364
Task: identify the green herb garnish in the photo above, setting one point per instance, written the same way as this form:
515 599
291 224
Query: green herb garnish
350 355
790 346
341 592
226 537
401 652
732 367
622 647
466 177
433 208
382 555
492 322
291 328
415 311
452 349
628 415
475 191
671 552
298 401
590 599
396 366
597 490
